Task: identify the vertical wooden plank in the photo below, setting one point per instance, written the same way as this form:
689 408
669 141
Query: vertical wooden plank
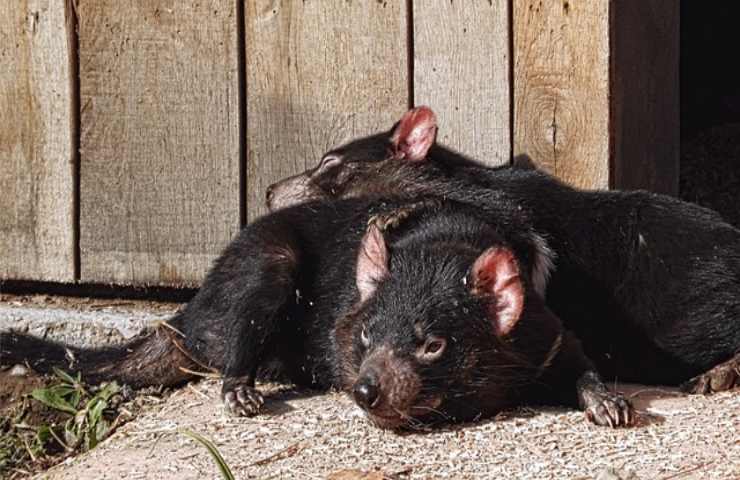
645 94
159 138
318 73
461 70
36 154
561 87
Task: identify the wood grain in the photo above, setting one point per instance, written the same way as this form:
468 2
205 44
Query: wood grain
645 94
36 154
461 70
159 138
561 87
318 74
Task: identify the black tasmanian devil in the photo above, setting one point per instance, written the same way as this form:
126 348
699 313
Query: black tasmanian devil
648 283
429 314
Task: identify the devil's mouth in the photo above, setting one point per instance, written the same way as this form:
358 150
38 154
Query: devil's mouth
394 421
388 421
415 415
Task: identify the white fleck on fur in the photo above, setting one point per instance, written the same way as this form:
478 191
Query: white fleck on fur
554 350
543 264
642 241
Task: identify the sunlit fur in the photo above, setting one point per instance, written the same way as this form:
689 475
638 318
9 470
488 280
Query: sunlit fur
426 294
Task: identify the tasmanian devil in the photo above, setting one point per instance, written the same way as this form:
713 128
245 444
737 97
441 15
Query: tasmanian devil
648 283
430 314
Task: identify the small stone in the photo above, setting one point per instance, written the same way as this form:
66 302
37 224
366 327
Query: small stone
616 474
18 371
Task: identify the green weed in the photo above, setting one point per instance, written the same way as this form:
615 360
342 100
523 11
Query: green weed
53 422
86 426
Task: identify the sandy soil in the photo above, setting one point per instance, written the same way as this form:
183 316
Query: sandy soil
310 435
305 435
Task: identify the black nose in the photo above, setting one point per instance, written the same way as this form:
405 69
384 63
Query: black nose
366 393
270 193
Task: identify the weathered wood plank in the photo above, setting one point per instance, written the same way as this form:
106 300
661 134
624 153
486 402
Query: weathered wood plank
318 73
36 154
645 94
561 87
461 70
596 91
159 142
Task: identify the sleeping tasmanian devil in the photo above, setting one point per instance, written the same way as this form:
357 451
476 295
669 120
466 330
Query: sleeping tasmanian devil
428 314
648 283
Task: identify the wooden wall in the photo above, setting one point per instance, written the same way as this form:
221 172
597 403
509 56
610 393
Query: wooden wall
318 73
37 158
159 146
136 137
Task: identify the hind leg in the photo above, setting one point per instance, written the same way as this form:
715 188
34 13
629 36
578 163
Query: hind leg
268 292
722 377
249 293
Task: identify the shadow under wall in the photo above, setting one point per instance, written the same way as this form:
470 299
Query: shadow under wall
710 106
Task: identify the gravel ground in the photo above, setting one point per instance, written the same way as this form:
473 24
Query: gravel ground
305 435
309 435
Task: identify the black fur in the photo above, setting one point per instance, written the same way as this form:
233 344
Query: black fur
642 279
284 291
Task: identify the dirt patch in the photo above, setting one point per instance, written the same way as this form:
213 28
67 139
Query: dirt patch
47 419
14 384
19 414
304 435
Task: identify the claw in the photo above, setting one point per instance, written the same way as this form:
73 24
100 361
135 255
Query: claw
612 410
242 400
722 377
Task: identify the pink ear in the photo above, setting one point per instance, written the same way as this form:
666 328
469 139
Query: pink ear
495 274
415 134
372 262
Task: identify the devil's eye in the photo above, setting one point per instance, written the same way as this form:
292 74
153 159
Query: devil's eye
328 162
364 338
432 349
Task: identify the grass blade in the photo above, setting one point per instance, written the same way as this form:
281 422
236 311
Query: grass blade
225 470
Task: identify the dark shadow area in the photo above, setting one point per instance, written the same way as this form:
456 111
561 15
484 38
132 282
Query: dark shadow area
157 294
710 107
710 79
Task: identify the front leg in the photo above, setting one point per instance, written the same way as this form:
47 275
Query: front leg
572 379
267 260
602 406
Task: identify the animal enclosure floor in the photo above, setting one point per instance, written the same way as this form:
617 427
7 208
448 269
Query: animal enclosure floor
305 435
